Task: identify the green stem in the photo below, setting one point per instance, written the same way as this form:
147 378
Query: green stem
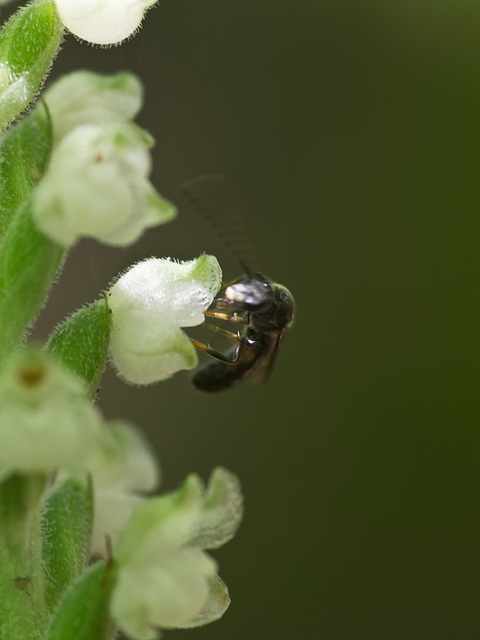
23 612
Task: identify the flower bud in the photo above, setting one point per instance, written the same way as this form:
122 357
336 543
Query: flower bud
97 186
150 302
103 21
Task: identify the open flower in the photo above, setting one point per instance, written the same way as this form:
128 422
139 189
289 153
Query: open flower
149 303
102 21
97 186
46 420
165 579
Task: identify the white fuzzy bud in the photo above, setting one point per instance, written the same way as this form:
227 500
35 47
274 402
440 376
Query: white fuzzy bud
150 302
97 186
102 21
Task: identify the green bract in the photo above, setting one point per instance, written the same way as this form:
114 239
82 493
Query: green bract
67 521
81 343
24 154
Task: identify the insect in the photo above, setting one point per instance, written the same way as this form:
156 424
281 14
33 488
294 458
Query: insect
261 309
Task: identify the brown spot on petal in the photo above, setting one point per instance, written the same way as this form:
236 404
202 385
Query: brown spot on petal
32 374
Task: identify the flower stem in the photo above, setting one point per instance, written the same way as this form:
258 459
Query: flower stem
23 612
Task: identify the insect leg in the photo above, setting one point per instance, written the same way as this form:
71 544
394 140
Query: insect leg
229 334
231 317
225 309
214 353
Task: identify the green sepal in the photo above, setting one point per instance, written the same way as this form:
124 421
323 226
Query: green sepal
29 262
83 612
24 155
81 343
28 44
67 520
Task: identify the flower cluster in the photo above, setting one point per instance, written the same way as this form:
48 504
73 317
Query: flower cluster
79 527
164 578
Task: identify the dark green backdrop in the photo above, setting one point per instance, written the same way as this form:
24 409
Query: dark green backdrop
351 131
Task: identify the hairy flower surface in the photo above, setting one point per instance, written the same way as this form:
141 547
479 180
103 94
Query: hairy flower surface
165 579
150 302
97 186
46 420
102 21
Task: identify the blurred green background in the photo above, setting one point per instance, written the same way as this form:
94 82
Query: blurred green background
351 131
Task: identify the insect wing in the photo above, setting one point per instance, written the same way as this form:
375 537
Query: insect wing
213 197
271 358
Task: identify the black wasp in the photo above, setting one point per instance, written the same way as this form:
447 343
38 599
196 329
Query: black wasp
261 309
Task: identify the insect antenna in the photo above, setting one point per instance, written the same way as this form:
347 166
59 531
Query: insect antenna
212 197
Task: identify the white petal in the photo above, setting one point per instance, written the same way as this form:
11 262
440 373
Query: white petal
127 461
102 21
181 290
147 346
217 602
221 512
162 594
85 98
112 511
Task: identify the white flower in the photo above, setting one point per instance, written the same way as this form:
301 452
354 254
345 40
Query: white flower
165 579
102 21
86 98
97 186
125 469
150 303
46 419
